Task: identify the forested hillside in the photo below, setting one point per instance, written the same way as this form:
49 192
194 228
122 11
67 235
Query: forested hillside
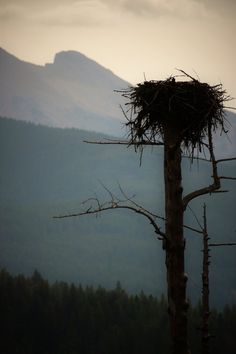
47 171
40 318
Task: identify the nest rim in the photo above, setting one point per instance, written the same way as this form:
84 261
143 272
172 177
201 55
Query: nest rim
192 109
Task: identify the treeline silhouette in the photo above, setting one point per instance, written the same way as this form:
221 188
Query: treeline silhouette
41 318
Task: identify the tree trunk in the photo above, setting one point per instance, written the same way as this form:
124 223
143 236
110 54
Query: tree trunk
205 289
175 245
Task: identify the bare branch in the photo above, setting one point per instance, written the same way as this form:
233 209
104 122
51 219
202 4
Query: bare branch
197 220
96 207
196 158
192 229
123 142
205 286
223 160
130 199
222 244
155 215
225 177
115 205
107 142
185 74
206 190
109 192
230 107
212 188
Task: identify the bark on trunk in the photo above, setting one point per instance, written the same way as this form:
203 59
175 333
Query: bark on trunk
205 289
175 245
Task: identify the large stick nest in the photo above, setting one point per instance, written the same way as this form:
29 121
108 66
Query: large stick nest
187 108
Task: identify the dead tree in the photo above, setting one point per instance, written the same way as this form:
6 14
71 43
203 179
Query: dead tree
206 335
181 116
205 288
184 114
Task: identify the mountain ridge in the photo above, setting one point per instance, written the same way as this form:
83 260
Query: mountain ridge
49 171
73 91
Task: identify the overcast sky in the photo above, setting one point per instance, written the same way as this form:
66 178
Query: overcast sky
130 37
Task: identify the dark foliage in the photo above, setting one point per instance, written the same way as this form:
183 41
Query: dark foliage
66 319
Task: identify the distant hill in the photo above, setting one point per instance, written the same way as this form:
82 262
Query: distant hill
47 171
73 91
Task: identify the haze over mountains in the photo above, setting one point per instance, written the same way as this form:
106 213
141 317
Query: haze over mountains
49 171
73 91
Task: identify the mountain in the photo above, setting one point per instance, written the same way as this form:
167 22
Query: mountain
73 91
50 171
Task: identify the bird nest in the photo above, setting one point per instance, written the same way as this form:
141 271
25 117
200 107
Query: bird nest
187 108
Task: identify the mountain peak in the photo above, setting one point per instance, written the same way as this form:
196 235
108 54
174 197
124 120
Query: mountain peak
73 91
70 56
74 59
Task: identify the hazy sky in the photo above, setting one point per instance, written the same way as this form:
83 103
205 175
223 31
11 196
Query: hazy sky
130 37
